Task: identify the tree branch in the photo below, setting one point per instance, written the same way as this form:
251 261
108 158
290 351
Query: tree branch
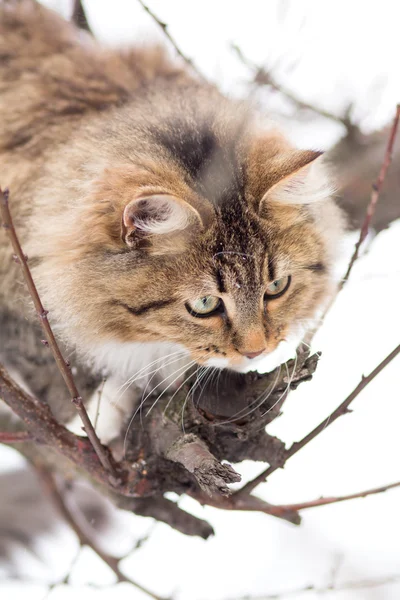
342 409
13 437
336 499
323 589
41 424
264 78
62 507
63 367
164 28
376 189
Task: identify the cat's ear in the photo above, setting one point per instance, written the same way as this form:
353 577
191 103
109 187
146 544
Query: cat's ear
302 179
158 214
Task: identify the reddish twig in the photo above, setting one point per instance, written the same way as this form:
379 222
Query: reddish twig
113 562
247 503
342 409
164 28
64 368
376 189
44 428
13 437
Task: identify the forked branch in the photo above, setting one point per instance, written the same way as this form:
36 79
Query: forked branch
56 497
342 409
266 78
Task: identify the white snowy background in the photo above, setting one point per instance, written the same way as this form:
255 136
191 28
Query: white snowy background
329 53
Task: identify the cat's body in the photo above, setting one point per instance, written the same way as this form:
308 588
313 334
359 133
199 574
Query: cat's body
146 201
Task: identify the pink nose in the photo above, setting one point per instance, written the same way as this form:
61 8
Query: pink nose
253 354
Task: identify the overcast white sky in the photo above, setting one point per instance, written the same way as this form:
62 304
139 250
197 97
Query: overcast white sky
340 52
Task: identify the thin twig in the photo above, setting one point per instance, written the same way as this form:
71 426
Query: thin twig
113 562
99 398
13 437
376 189
342 409
325 589
164 28
262 77
38 419
66 579
336 499
63 367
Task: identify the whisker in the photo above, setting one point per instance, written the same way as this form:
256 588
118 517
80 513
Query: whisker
251 408
156 386
137 376
143 370
144 399
172 382
176 391
290 379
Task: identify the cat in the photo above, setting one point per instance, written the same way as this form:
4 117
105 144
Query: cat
165 224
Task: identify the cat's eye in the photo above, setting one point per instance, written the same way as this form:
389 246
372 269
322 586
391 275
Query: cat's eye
204 306
277 288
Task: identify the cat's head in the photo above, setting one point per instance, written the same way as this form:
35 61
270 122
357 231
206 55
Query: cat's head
223 244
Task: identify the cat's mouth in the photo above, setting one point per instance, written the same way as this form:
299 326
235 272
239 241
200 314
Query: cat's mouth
266 362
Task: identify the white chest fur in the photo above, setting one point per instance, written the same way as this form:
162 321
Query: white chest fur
132 372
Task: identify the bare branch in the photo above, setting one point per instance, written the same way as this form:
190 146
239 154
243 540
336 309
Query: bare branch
324 589
342 409
262 77
248 503
113 562
63 367
336 499
376 189
164 28
39 421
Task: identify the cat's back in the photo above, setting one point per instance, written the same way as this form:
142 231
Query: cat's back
54 79
51 74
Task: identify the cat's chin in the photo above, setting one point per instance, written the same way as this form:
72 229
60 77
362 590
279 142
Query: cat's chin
263 364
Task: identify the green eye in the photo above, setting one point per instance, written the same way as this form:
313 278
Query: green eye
277 287
205 306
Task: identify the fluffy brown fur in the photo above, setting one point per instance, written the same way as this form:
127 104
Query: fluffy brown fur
137 189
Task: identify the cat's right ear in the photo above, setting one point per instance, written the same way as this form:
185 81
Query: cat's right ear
157 215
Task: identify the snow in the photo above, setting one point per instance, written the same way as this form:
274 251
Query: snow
346 52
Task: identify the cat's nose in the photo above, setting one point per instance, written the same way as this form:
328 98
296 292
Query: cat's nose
253 354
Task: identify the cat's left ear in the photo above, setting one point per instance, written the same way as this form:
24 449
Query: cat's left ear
302 179
155 215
